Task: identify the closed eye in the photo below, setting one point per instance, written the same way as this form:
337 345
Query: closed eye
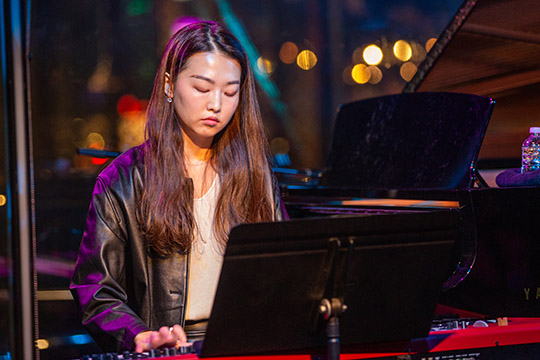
201 90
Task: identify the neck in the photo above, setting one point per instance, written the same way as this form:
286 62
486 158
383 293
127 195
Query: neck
196 152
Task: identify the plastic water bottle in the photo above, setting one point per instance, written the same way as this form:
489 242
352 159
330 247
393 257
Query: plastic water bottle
530 151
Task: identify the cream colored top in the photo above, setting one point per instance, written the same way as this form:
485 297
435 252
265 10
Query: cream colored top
206 257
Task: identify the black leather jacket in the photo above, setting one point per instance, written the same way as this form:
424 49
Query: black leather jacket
120 288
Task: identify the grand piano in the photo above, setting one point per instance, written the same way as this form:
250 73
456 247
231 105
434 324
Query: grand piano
491 49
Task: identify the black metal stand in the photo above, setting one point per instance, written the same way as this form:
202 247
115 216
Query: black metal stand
332 332
331 310
331 290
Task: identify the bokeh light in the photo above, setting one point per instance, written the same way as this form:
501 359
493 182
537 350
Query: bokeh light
402 50
407 71
264 65
128 104
376 74
346 75
372 55
100 81
430 43
96 141
306 59
42 344
357 56
288 52
2 200
360 73
279 145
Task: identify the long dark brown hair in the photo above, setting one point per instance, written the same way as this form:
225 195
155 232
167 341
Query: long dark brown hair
239 152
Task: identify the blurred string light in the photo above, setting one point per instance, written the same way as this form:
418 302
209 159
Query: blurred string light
402 50
42 344
376 74
347 76
265 65
407 71
306 60
430 43
372 55
96 141
369 60
3 200
288 52
357 57
360 73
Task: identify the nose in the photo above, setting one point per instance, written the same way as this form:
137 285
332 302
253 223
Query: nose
214 102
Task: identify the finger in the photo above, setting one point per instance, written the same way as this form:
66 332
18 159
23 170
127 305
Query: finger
179 333
144 345
159 338
140 348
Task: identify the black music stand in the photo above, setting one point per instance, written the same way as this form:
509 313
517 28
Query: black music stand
427 140
388 270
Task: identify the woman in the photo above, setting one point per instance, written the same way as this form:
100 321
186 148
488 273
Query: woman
158 221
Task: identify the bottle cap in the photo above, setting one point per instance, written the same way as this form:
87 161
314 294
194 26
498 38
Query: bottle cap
534 130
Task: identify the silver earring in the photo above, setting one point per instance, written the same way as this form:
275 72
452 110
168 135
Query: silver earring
169 99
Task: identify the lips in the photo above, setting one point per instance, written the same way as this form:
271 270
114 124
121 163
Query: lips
211 121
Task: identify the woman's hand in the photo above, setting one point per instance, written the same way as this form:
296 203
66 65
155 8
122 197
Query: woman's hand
164 337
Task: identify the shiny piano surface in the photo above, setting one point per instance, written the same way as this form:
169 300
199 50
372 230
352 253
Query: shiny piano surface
492 49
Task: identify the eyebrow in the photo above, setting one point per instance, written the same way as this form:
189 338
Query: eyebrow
200 77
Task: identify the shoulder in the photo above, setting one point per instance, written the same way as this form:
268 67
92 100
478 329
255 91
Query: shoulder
126 169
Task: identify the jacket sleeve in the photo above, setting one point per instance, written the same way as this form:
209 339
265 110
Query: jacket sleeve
98 284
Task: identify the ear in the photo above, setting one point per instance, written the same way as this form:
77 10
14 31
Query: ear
168 86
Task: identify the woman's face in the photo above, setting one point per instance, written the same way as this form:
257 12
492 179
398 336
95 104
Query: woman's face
205 95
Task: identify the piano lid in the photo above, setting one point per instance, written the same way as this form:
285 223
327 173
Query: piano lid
491 48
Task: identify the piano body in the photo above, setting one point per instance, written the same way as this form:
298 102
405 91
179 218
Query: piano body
490 49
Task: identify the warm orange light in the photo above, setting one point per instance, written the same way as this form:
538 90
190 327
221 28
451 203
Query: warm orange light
288 52
306 60
376 74
407 71
430 43
346 75
357 56
402 50
360 73
265 65
42 344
